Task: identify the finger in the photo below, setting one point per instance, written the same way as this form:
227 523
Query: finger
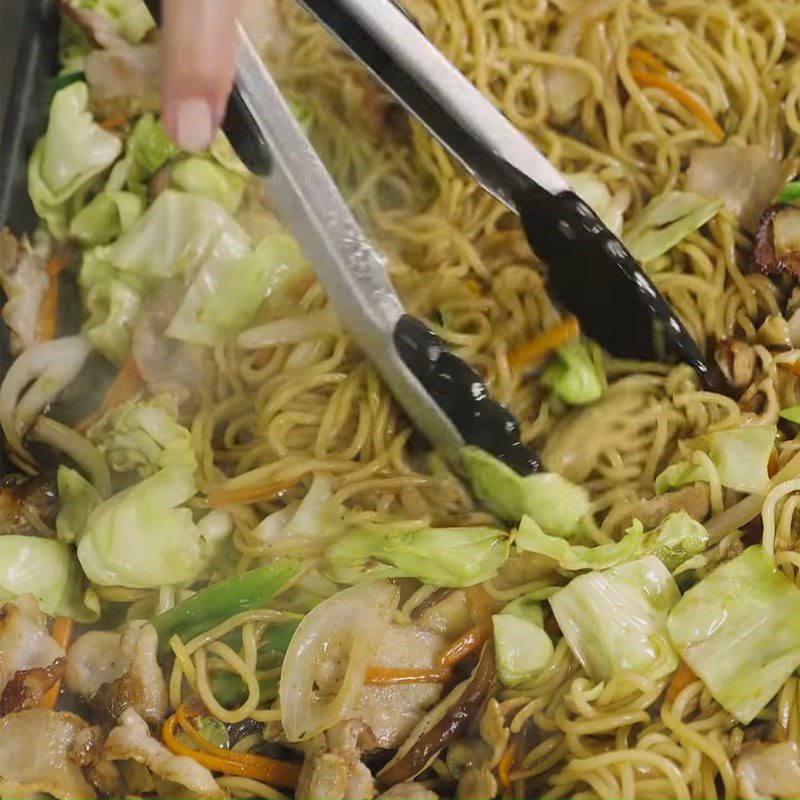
199 50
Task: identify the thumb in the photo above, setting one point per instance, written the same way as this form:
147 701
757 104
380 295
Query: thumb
199 54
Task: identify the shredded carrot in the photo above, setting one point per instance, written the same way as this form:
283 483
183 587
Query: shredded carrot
112 123
218 759
467 643
62 633
695 107
481 602
682 678
395 676
772 464
506 765
250 494
790 366
648 59
125 386
544 344
47 324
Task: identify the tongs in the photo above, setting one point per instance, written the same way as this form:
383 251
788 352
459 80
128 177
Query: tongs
443 396
590 271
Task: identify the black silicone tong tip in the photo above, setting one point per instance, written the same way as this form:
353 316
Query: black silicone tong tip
462 395
602 284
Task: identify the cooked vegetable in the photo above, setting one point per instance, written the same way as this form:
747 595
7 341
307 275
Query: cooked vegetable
677 539
666 221
73 151
682 678
789 194
522 648
739 630
745 178
131 18
741 456
470 641
144 437
544 344
594 191
45 368
106 217
561 508
453 557
572 375
324 668
676 92
792 413
216 603
200 176
531 538
616 620
78 498
49 571
446 722
149 148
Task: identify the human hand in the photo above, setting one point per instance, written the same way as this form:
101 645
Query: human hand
199 56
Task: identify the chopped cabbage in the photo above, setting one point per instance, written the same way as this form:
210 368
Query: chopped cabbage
530 537
149 148
522 648
113 307
198 175
676 540
73 151
741 456
560 507
106 217
47 569
792 414
616 620
572 375
739 630
594 191
77 499
142 539
145 437
131 17
668 220
452 557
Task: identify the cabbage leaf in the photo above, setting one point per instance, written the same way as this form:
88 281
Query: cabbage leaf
452 557
677 539
739 630
667 221
201 176
77 499
559 507
73 151
593 191
522 648
107 216
47 569
531 538
741 456
616 620
572 375
131 17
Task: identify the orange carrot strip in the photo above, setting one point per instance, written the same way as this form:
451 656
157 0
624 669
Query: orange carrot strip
772 464
47 324
125 386
467 643
260 768
250 494
692 105
506 765
545 343
395 676
682 678
648 59
112 123
790 366
62 633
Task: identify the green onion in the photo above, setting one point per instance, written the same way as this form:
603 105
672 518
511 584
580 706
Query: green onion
789 194
230 690
214 604
58 82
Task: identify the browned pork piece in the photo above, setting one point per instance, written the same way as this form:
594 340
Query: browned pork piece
35 747
777 243
114 672
28 506
31 661
769 770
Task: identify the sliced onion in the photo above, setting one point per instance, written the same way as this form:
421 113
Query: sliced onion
331 650
49 367
78 448
289 330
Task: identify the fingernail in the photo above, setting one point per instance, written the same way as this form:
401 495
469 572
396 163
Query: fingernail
194 123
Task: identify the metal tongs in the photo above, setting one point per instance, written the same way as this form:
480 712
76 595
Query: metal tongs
442 395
